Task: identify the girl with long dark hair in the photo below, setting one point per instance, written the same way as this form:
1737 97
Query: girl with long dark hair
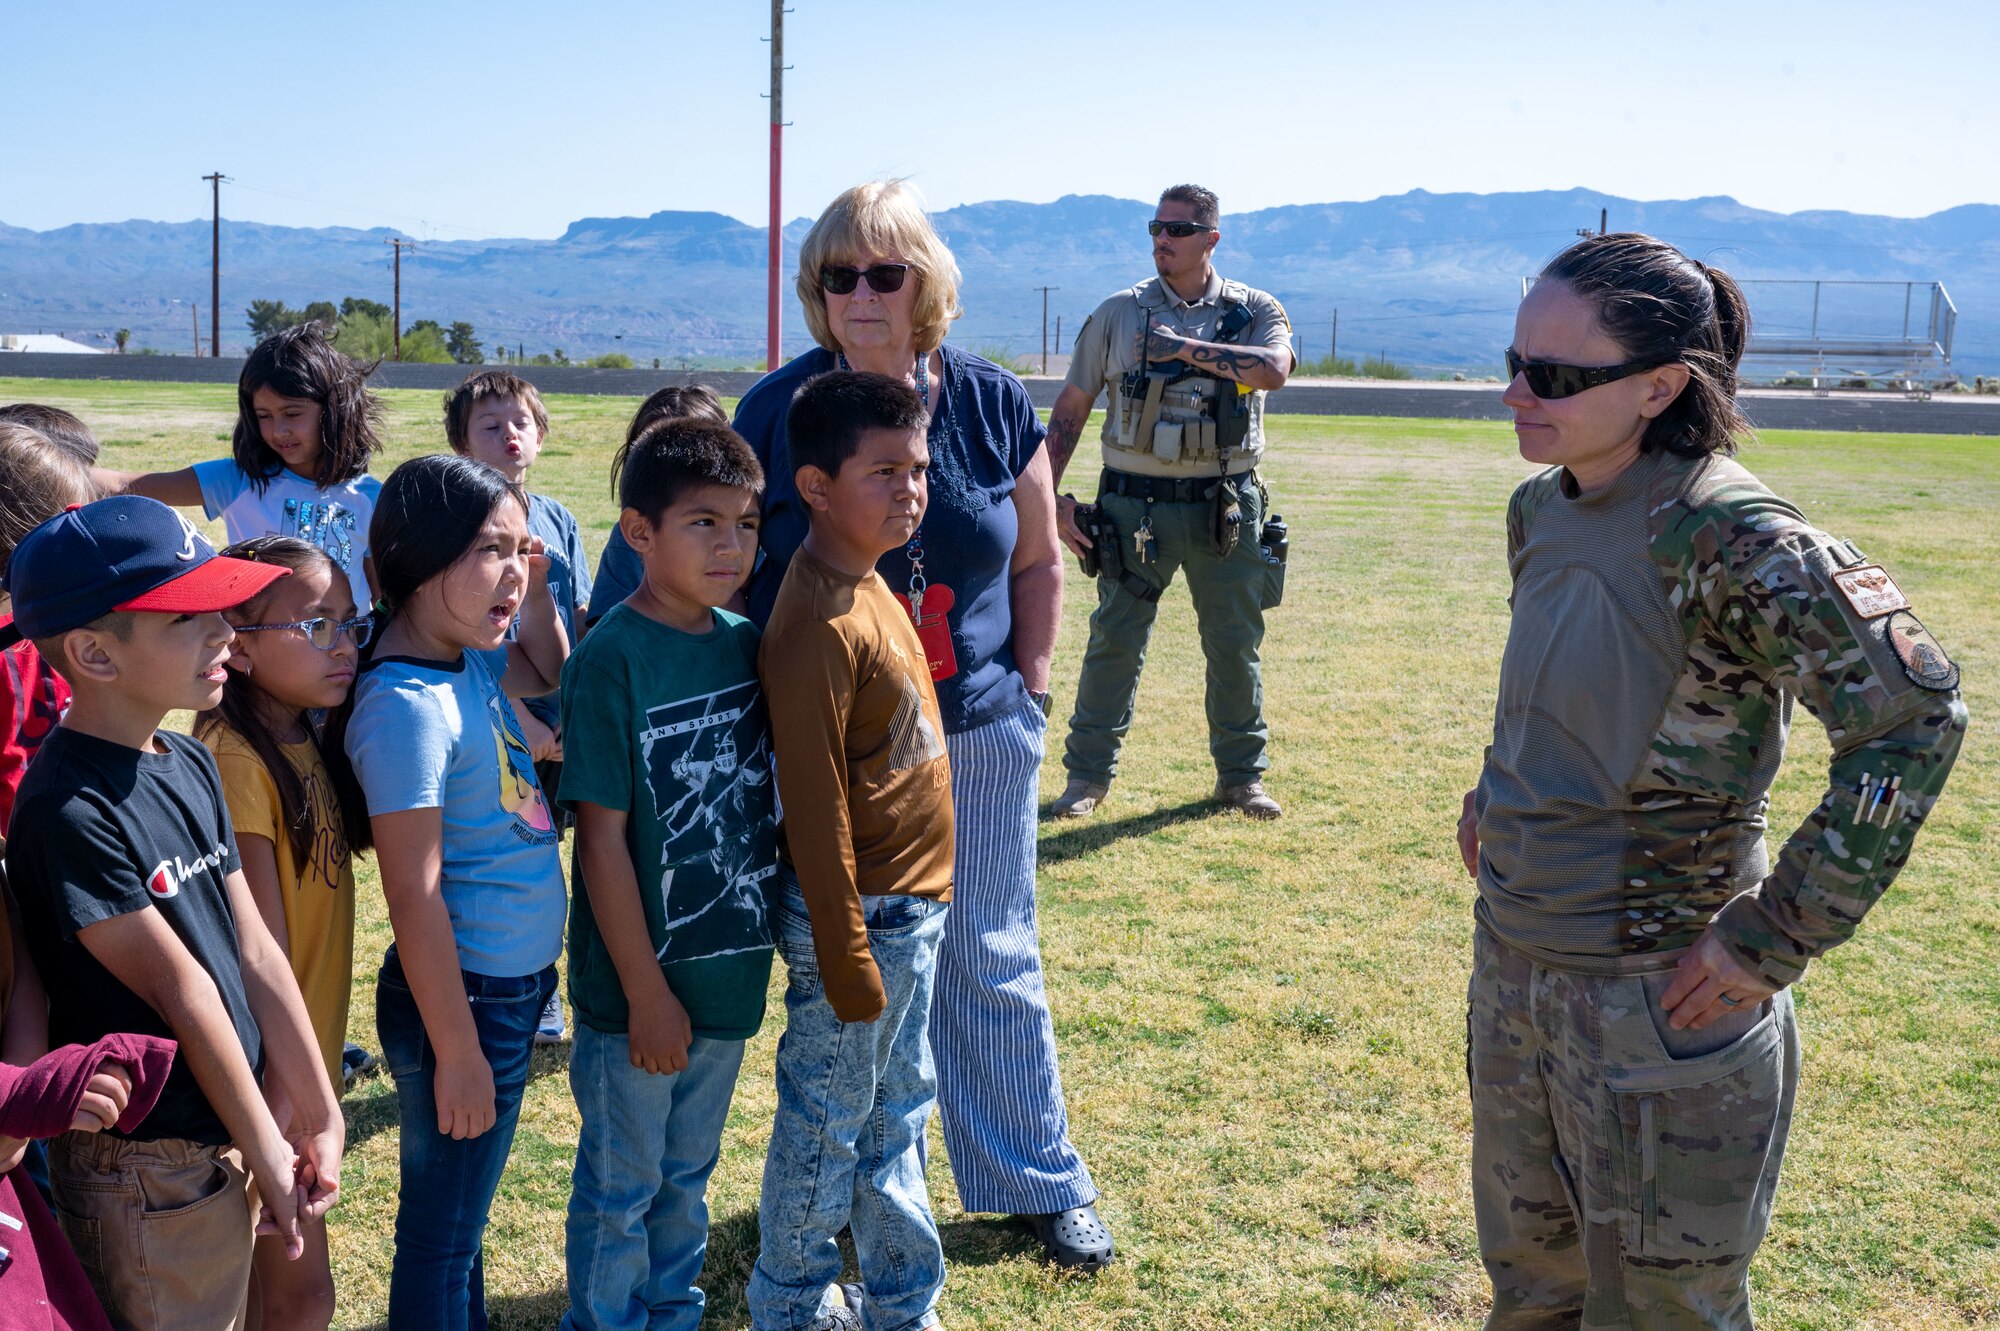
467 849
294 656
298 463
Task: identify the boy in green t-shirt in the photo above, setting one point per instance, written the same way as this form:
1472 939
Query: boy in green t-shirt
669 775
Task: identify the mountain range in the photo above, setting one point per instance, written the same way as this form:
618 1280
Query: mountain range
1429 280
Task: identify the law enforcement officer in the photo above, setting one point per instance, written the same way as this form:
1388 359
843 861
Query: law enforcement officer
1187 358
1633 1058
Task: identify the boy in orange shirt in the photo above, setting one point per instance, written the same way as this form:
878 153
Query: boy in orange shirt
865 866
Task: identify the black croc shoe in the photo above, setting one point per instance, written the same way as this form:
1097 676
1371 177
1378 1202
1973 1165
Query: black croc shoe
1076 1239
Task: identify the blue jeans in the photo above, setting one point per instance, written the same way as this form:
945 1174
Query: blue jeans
436 1283
847 1145
638 1209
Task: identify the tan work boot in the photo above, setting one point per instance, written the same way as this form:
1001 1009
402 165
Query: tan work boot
1249 797
1079 799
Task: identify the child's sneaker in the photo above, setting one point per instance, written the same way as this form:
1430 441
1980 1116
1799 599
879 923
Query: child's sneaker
355 1062
550 1030
838 1311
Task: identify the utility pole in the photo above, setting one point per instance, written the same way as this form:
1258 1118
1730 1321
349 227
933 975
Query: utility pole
1603 218
1333 336
1045 326
396 317
773 335
215 179
194 317
1058 332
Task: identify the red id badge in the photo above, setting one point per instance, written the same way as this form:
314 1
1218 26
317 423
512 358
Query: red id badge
933 629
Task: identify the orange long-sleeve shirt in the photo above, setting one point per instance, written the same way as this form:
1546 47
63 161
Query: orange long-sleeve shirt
862 774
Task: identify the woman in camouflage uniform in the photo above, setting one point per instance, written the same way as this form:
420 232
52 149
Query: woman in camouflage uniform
1633 1054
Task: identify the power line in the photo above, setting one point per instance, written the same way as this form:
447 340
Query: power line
480 233
396 312
1045 325
215 265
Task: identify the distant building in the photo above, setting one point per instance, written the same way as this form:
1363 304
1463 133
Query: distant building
46 343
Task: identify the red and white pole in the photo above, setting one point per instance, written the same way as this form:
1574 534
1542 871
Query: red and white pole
773 336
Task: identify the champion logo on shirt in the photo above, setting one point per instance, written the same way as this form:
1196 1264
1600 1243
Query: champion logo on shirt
168 875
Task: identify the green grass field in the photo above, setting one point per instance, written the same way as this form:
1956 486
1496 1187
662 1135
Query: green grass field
1262 1026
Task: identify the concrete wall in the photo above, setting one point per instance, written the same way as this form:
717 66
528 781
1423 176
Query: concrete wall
1776 411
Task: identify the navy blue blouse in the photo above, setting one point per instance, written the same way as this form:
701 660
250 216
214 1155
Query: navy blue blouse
983 435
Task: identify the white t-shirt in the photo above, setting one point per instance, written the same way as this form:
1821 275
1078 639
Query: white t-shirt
334 519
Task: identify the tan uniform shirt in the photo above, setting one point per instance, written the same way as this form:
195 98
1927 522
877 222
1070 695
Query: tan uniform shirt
863 778
1108 345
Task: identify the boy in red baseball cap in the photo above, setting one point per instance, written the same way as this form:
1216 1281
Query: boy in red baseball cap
138 917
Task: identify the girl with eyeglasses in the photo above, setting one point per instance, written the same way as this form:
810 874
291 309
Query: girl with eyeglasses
294 656
1633 1056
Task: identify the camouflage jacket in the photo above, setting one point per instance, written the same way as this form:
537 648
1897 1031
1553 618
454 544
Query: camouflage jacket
1661 628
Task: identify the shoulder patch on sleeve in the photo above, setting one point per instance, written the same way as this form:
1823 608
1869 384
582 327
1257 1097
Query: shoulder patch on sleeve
1920 654
1870 590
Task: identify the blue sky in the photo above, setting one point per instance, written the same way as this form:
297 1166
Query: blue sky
512 119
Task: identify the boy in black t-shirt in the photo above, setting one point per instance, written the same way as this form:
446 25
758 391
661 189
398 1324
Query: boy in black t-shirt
138 917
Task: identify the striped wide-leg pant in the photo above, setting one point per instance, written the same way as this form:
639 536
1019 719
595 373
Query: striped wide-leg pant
999 1092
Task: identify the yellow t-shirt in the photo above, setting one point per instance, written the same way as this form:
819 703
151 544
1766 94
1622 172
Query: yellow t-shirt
318 895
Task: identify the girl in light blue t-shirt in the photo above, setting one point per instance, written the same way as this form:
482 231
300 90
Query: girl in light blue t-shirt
466 847
298 464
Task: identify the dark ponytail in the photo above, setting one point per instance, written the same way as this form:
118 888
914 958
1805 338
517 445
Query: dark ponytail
430 511
1660 305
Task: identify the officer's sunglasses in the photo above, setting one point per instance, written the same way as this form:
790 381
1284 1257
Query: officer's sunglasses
1178 230
1549 381
882 278
321 632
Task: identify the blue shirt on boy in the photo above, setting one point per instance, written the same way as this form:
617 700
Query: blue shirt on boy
569 582
440 735
670 727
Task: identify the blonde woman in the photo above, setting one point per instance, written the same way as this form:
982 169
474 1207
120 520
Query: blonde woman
984 580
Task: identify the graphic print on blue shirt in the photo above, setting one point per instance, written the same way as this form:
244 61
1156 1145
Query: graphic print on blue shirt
707 760
323 523
520 794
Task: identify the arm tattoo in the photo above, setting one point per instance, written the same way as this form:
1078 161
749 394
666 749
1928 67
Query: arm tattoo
1064 431
1230 362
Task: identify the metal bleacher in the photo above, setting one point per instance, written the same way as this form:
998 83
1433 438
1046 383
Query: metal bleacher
1830 332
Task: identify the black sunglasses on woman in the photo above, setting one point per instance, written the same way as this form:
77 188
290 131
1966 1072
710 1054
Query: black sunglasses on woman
882 278
1550 381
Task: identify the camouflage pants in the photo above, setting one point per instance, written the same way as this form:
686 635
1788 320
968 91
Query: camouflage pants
1622 1172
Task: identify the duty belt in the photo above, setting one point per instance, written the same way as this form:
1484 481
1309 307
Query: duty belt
1165 489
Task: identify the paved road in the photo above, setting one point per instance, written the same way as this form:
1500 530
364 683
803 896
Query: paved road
1770 410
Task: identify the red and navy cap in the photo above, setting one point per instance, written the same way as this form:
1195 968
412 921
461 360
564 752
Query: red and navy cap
122 553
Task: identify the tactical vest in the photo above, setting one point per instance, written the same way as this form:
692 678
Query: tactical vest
1180 415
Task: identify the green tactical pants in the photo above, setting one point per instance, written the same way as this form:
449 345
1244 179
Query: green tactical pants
1622 1172
1228 597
